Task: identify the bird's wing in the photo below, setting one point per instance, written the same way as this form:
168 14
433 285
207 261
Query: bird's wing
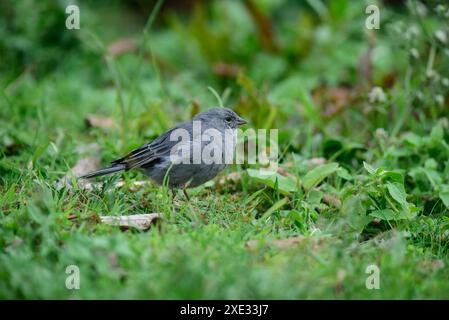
153 150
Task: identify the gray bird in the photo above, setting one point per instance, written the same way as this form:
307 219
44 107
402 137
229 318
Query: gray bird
181 156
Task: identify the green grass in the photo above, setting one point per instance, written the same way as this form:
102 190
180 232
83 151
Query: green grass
364 180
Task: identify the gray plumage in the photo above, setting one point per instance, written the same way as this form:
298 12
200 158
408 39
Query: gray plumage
154 157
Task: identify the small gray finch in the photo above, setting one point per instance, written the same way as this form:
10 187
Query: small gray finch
186 155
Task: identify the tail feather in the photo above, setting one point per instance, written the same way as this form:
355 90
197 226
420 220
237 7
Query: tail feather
105 171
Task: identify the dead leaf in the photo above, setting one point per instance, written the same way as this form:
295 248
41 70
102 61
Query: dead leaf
314 162
341 275
389 80
86 165
285 173
87 148
83 166
99 122
430 265
333 100
332 200
138 221
224 69
365 68
233 176
279 244
14 244
121 46
195 108
135 185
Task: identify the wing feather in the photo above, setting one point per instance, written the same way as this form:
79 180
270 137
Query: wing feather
151 151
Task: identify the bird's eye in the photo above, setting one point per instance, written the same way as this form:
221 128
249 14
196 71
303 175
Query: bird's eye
228 119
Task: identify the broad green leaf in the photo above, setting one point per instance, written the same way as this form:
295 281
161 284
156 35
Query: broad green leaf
35 213
388 214
413 139
431 164
275 66
397 192
437 133
411 211
355 212
385 214
394 176
373 171
285 93
344 174
369 168
286 185
310 110
444 196
318 174
315 196
433 176
9 196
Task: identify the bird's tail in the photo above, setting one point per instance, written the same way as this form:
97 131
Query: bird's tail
105 171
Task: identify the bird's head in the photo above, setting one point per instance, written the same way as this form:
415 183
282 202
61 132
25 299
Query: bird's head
221 117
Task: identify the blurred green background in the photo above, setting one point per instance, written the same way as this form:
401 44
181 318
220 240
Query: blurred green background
363 137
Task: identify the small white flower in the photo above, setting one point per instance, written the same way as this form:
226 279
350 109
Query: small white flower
381 133
377 95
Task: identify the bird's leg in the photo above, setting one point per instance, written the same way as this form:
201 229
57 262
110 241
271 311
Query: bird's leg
186 194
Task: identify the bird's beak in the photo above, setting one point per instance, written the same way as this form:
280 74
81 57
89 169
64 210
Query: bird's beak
241 121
